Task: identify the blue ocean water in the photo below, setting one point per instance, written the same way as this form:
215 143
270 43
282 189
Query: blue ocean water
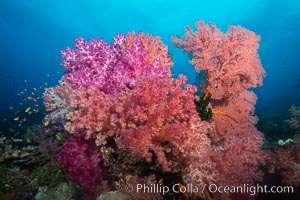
32 33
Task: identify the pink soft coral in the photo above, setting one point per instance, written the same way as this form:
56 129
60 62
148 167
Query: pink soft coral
156 120
96 113
162 120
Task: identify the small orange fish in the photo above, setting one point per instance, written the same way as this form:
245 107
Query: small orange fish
17 118
161 181
27 109
46 123
30 98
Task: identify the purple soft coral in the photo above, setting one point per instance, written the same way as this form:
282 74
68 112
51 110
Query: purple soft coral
80 159
112 67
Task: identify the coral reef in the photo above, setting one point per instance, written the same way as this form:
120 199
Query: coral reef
48 139
25 163
19 154
122 107
25 182
287 162
115 195
294 122
63 191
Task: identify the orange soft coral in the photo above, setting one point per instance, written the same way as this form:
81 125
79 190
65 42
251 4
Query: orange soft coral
231 57
233 66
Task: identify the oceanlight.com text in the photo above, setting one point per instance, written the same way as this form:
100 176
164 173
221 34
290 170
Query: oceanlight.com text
212 188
